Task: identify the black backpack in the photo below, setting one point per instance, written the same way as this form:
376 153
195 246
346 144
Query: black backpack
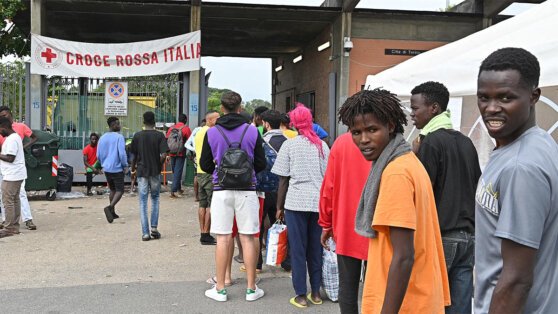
236 168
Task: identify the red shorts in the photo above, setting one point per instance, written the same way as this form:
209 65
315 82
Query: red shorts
257 235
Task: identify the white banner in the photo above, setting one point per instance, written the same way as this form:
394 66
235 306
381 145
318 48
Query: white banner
50 56
116 99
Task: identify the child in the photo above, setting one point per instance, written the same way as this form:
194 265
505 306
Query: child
406 269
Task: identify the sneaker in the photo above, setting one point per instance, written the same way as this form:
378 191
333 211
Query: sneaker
253 295
108 214
218 295
30 225
155 233
145 237
207 240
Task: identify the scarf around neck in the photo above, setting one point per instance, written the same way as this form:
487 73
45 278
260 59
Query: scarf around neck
367 204
441 121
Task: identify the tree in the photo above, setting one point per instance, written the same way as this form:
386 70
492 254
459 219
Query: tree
12 40
255 103
214 99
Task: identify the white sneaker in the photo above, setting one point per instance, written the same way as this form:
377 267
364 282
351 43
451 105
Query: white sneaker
253 295
217 295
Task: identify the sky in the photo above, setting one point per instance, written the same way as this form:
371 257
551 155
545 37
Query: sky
251 78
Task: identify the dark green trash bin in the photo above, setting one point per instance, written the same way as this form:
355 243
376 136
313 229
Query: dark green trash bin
190 172
41 160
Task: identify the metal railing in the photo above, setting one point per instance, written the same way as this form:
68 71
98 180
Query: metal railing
12 88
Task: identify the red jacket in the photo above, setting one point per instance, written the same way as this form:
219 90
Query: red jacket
346 174
186 132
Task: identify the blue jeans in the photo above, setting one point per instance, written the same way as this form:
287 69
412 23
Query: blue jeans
177 165
305 246
459 251
144 184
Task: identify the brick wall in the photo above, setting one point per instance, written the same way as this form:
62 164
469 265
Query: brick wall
309 75
368 57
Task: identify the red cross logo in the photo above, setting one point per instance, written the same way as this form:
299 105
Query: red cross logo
48 55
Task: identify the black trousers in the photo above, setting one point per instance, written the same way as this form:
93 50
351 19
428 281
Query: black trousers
89 177
349 281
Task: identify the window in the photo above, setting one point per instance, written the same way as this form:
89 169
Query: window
308 99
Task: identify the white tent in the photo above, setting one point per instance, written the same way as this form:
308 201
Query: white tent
456 64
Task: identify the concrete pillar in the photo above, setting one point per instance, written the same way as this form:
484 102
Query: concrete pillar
83 105
194 79
341 33
37 92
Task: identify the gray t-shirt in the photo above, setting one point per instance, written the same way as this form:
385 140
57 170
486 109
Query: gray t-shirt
517 199
300 160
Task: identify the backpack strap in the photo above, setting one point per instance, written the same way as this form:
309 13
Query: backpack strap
270 146
224 136
243 133
180 128
226 139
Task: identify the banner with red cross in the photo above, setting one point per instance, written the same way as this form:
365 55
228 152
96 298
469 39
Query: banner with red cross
51 56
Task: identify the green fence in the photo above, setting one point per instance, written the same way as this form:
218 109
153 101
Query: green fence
77 114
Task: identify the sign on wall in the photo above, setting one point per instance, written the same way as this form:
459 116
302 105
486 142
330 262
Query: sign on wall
116 99
51 56
403 52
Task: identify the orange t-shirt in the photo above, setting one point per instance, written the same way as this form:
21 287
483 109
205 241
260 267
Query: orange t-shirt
406 200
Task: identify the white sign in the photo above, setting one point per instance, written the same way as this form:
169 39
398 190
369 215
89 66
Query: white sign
455 106
51 56
116 99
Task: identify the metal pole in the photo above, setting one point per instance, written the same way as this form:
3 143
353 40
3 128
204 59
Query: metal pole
52 104
20 97
332 108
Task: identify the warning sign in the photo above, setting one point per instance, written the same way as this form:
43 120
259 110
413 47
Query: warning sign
116 99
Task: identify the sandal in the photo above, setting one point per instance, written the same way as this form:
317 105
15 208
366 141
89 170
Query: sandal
213 281
243 268
238 260
293 302
309 297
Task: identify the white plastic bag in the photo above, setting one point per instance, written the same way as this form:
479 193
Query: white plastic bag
330 272
276 244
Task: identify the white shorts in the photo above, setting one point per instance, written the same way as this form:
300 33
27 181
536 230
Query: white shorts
228 204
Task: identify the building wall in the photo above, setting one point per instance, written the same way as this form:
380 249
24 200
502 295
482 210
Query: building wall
309 75
368 57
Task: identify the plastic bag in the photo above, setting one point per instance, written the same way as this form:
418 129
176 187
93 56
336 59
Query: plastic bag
65 178
330 272
276 244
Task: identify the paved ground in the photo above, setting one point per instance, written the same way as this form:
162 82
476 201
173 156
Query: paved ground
78 263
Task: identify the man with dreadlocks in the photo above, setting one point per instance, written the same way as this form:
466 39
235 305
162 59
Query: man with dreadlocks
517 194
301 164
397 211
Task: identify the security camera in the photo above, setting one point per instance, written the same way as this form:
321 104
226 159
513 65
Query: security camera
347 46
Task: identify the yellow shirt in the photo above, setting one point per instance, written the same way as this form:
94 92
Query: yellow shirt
198 144
290 133
406 200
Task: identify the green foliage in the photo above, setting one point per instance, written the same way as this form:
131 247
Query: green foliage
255 103
448 8
12 40
214 98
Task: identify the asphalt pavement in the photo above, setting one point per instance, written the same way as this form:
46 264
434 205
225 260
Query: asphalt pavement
76 262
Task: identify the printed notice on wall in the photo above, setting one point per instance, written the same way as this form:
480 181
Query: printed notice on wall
116 99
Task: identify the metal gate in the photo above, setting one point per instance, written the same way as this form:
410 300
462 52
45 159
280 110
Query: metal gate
75 106
12 88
